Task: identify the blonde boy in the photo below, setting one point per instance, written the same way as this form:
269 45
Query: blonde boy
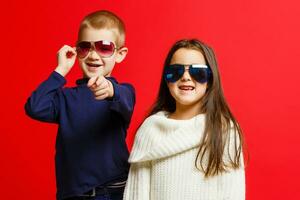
93 117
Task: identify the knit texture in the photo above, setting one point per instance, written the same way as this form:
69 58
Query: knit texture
163 164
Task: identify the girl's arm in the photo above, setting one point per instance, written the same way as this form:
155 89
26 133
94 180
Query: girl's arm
138 183
233 184
233 181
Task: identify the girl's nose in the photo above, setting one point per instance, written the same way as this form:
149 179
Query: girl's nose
186 75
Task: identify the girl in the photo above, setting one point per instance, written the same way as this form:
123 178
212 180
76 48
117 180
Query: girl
190 146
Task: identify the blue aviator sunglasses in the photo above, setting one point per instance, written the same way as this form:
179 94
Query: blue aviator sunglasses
201 73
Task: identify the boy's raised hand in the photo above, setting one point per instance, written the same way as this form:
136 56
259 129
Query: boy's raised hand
66 58
101 87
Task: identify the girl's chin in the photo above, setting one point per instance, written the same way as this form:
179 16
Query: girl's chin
188 101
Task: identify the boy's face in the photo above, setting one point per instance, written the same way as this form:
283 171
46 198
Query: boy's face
94 64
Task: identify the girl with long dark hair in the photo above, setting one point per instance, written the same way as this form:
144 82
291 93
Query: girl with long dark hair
190 145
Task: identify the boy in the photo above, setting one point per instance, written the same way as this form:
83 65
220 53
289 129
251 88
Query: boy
91 153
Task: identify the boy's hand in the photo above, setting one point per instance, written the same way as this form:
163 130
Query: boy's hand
66 58
101 87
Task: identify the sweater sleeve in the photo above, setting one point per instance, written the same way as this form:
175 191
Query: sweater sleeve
138 182
233 181
43 103
232 184
123 100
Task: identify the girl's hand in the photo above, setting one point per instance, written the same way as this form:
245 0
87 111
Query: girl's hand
101 87
66 58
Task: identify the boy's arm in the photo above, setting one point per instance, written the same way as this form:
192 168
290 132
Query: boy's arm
138 182
123 99
122 96
43 103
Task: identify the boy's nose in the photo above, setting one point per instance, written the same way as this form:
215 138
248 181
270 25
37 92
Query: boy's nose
93 55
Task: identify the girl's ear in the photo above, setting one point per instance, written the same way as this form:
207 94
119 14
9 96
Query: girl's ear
121 54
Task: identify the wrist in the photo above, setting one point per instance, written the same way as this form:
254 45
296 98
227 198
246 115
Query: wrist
61 71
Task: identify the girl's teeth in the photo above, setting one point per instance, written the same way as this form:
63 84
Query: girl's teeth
186 88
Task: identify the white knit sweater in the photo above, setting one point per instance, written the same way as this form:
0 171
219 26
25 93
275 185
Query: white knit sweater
163 164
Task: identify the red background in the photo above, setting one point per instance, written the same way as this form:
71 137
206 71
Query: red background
257 46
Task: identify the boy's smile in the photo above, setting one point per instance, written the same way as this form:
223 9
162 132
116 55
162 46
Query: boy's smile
93 67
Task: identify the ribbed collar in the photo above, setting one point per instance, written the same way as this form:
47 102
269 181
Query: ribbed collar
160 137
82 81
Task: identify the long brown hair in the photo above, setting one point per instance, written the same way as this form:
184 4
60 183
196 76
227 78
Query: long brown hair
219 119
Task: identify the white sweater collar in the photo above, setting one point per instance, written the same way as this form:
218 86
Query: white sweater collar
160 137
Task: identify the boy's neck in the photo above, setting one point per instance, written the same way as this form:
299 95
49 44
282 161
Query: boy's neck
86 77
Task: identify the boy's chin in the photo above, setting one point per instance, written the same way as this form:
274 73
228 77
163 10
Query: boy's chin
93 74
89 75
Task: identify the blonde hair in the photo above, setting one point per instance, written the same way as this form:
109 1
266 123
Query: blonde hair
104 19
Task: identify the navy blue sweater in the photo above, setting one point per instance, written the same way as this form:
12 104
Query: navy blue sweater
90 143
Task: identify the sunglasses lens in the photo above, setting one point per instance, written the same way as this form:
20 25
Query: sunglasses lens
199 74
83 49
105 48
173 73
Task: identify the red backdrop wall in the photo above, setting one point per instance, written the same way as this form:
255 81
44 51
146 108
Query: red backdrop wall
257 46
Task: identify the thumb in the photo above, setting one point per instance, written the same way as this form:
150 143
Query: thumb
92 81
100 80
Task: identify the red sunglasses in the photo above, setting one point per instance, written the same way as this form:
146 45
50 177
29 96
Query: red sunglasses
103 48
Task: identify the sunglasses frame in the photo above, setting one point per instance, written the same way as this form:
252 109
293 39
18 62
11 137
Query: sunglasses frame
190 68
93 47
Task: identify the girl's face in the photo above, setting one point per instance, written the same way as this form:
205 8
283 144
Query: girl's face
187 92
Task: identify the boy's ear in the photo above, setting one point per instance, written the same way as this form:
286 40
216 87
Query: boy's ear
121 54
